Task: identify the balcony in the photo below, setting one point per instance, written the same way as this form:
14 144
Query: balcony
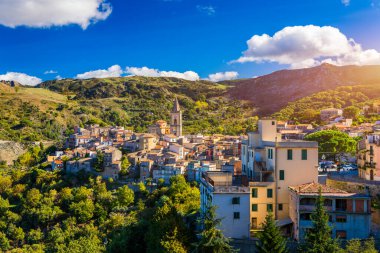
370 165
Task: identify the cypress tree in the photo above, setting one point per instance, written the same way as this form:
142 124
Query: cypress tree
318 238
271 239
212 239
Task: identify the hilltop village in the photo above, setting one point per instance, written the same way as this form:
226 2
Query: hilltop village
271 170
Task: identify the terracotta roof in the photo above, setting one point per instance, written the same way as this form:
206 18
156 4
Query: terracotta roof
314 188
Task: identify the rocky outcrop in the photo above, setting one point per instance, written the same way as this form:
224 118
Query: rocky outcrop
10 151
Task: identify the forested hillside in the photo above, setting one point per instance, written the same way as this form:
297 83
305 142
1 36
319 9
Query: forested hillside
50 111
307 109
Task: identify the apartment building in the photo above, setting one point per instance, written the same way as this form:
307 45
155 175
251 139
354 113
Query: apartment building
368 157
349 213
272 165
232 200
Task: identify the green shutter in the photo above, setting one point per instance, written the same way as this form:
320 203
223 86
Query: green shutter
270 193
254 192
282 175
269 207
254 207
304 154
290 154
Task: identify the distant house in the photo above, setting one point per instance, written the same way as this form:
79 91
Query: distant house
368 157
350 213
326 114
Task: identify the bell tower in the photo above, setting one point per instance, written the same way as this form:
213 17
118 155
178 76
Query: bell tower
176 119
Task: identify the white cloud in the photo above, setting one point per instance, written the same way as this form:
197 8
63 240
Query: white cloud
346 2
220 76
21 78
58 77
47 72
145 71
306 46
113 71
209 10
47 13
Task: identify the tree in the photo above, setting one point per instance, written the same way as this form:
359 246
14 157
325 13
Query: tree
125 196
212 239
351 112
170 243
271 239
318 238
333 141
356 246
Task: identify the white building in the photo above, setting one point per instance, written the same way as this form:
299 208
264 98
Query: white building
232 203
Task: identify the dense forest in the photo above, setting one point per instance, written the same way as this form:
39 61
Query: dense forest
44 211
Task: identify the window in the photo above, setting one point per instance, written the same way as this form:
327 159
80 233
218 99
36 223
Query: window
280 207
254 207
305 216
269 193
304 154
254 222
236 201
270 153
282 174
341 204
341 218
307 202
254 192
290 154
269 207
236 215
273 123
341 234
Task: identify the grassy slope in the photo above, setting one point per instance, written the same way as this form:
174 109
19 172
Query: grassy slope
29 114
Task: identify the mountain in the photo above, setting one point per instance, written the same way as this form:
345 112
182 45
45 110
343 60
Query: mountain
51 110
270 93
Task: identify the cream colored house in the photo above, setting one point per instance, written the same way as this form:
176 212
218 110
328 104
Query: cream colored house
147 141
272 165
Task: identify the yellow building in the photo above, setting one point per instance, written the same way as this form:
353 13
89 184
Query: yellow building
272 165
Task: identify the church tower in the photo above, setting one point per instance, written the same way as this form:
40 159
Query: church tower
176 119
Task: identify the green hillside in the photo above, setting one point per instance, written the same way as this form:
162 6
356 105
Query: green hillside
307 109
51 110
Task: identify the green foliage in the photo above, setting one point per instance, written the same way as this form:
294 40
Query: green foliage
36 114
125 196
212 239
356 246
271 239
307 109
351 112
333 141
318 238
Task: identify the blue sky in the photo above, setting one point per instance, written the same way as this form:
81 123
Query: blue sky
205 37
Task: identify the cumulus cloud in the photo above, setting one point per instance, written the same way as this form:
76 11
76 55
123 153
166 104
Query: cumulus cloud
22 78
113 71
220 76
208 10
47 13
145 71
306 46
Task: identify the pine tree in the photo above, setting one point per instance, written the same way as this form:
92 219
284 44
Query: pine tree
318 238
271 239
212 239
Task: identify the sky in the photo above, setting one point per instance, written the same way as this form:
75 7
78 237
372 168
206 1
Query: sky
191 39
